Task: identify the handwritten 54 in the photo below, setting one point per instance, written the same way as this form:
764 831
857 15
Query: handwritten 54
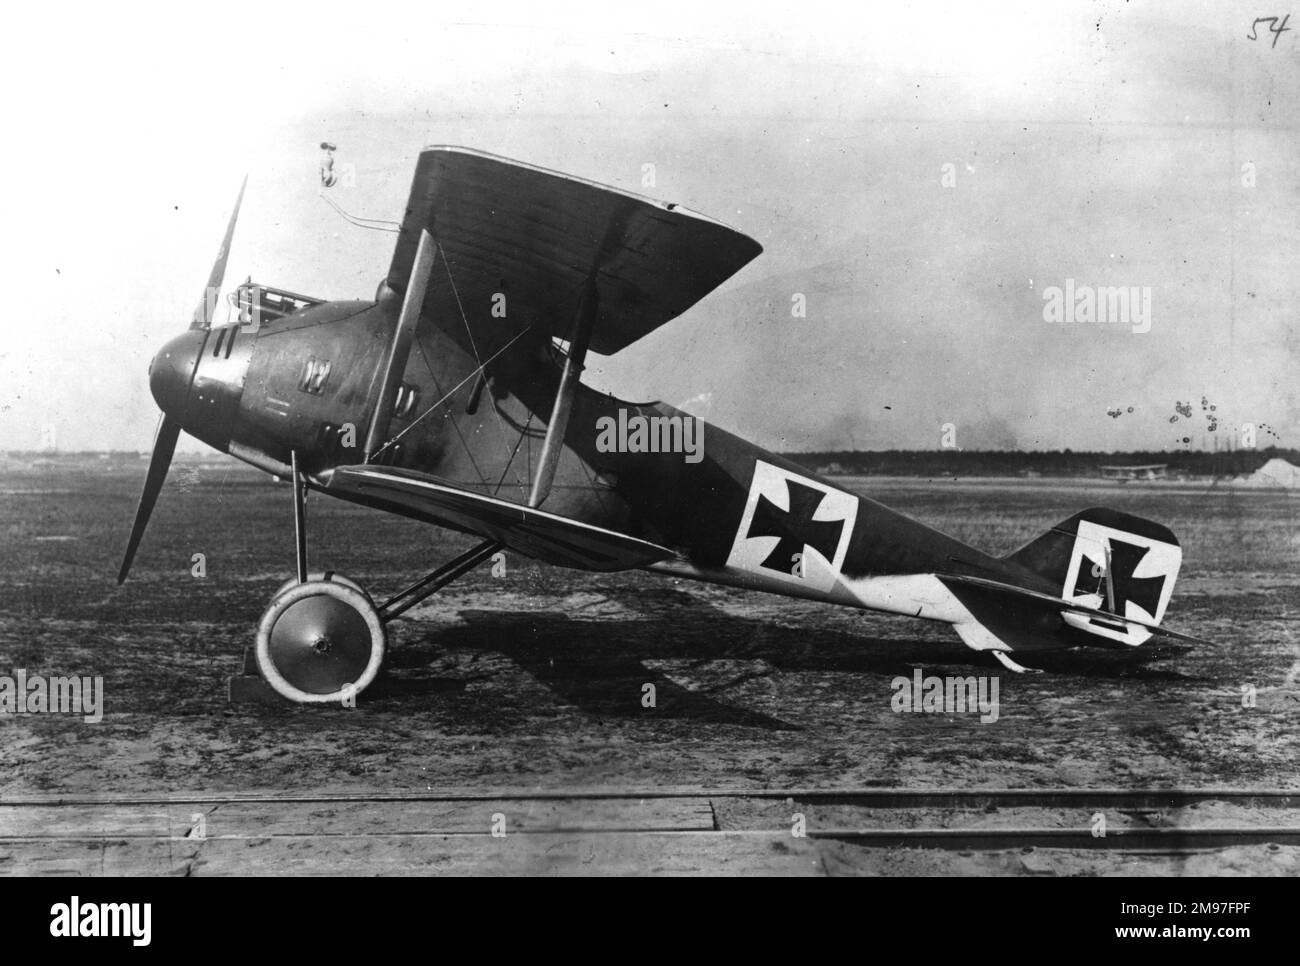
1274 27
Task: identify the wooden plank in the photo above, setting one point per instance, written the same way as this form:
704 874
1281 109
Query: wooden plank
613 853
260 819
882 797
659 853
610 853
98 821
36 857
461 817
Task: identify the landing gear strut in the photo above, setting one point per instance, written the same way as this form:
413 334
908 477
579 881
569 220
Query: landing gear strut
322 639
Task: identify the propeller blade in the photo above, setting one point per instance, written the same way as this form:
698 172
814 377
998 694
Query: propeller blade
208 307
164 445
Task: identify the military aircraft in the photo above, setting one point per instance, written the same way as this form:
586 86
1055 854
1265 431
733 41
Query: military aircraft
454 398
1123 474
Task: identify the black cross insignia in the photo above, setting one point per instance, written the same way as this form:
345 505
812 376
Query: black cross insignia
1124 560
795 527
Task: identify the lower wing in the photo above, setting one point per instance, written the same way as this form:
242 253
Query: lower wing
536 533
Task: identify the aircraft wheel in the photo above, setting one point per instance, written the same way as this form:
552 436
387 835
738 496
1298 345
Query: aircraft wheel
320 642
324 575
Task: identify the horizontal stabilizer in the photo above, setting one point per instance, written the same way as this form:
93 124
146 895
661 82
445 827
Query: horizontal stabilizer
535 533
1010 613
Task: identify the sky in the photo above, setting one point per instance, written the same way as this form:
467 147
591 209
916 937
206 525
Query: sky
921 176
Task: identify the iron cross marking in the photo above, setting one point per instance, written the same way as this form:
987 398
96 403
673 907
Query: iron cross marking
1124 560
795 527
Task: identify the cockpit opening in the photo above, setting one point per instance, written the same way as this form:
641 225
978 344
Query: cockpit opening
260 305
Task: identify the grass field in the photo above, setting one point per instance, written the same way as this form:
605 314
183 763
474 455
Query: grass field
534 678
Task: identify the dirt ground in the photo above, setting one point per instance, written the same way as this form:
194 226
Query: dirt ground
534 679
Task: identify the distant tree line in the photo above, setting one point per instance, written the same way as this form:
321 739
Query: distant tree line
908 462
952 462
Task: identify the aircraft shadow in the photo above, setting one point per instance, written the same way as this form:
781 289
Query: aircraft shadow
600 664
1104 664
597 666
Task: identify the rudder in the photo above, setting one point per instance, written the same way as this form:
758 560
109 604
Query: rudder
1109 560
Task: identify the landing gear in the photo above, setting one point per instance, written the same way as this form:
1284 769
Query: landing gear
322 639
320 642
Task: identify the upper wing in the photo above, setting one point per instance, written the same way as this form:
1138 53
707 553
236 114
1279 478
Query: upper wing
522 241
545 536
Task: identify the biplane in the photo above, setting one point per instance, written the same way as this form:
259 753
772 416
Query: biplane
454 398
1123 474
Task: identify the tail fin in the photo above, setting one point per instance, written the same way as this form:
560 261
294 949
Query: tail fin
1109 561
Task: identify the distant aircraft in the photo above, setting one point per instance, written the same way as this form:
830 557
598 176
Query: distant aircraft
454 398
1147 471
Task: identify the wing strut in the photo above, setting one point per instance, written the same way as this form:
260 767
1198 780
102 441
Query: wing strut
1110 580
399 351
299 517
553 445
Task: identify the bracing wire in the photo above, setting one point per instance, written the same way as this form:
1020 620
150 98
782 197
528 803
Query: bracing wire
374 224
482 366
473 344
454 390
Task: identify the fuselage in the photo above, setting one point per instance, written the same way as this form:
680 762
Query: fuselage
304 383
